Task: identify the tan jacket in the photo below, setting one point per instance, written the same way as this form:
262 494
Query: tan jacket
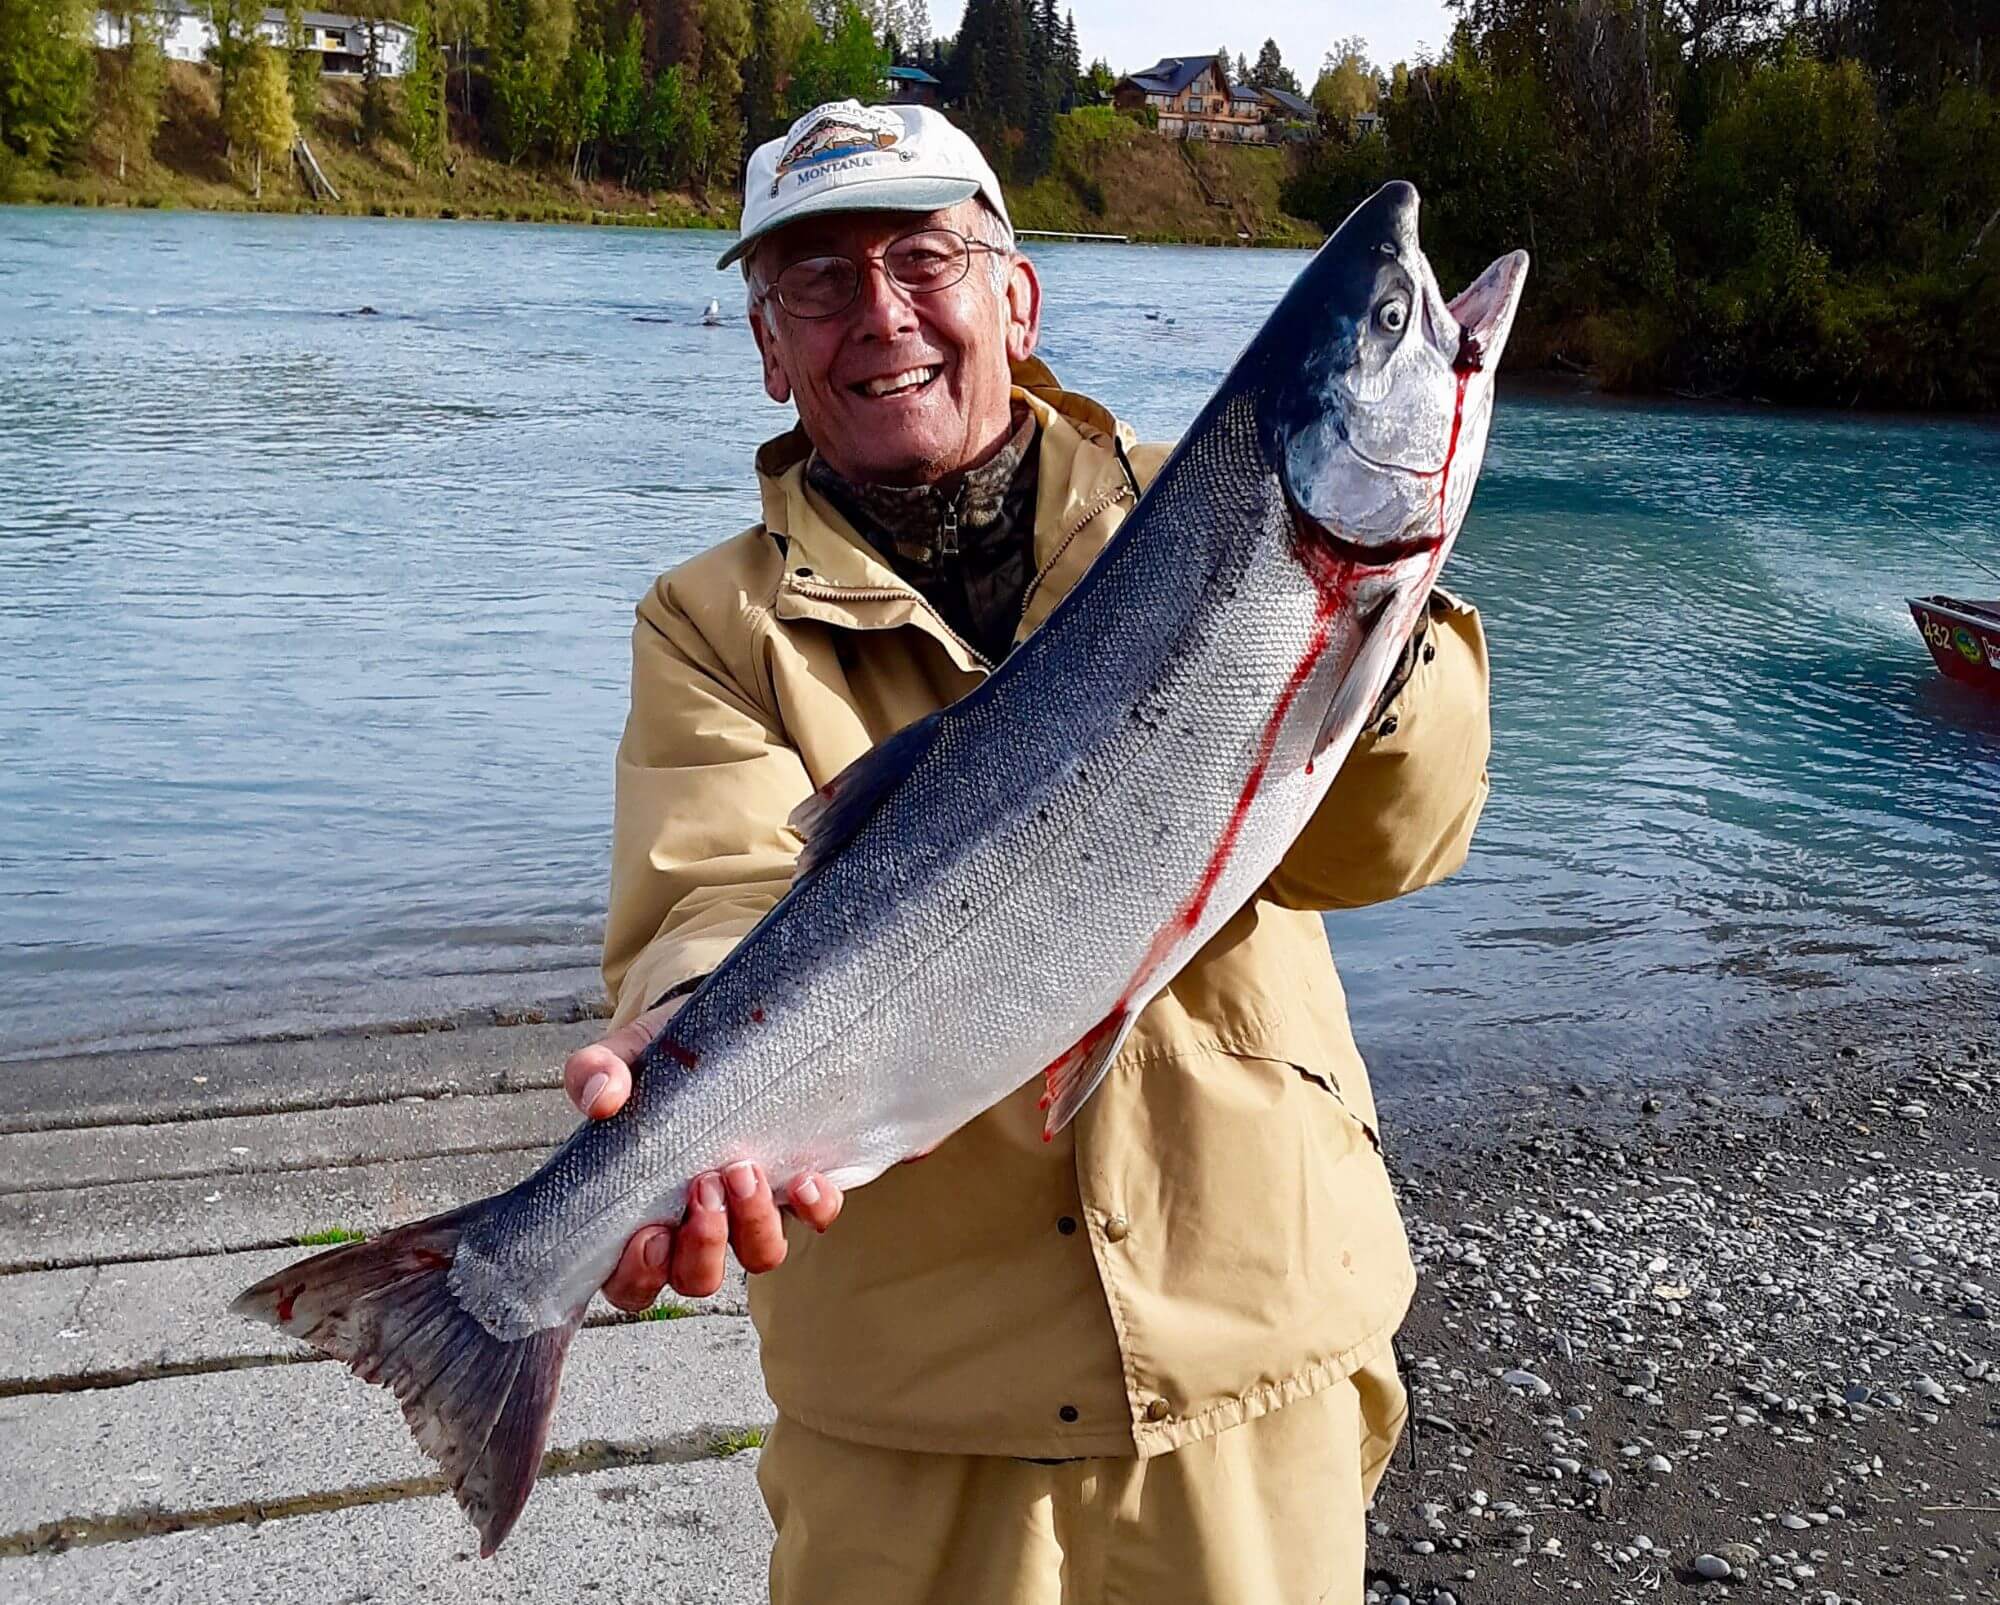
1216 1234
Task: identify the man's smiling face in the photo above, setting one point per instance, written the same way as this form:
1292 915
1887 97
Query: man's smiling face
900 388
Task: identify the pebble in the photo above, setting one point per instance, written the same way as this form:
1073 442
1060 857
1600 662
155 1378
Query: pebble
1660 1464
1712 1567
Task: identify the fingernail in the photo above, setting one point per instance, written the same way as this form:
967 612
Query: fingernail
655 1254
594 1086
710 1188
742 1179
805 1191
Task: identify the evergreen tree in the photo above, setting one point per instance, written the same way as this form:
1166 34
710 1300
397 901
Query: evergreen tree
625 90
779 30
374 98
674 35
132 107
424 118
1097 86
260 112
726 40
1271 71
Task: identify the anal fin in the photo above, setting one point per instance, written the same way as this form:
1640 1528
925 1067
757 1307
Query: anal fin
1074 1077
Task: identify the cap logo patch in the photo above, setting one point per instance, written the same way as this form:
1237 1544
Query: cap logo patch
839 141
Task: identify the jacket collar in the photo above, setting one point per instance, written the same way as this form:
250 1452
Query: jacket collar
832 574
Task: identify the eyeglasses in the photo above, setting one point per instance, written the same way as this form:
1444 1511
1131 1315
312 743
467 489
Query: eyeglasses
922 263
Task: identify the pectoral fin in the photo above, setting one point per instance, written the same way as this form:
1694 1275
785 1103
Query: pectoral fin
1074 1077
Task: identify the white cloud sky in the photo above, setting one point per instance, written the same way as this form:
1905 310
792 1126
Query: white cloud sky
1131 34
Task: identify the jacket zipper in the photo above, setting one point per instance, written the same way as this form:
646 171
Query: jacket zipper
948 535
1096 509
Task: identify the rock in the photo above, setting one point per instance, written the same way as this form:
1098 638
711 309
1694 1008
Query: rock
1660 1464
1712 1568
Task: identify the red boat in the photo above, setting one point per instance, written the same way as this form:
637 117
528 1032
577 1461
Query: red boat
1964 637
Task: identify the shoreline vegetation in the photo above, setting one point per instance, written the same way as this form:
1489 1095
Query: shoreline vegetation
1790 201
1109 175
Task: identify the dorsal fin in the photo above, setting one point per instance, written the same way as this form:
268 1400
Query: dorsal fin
831 816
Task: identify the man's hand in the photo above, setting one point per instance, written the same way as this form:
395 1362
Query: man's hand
732 1208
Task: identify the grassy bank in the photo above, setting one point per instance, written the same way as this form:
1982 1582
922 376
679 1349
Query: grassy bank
1110 177
190 167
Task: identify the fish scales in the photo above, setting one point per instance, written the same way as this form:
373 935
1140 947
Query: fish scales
997 892
1093 838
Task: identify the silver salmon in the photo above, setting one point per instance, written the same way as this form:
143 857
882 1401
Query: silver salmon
995 893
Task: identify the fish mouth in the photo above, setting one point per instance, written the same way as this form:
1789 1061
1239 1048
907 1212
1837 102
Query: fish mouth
1484 311
1483 315
1355 554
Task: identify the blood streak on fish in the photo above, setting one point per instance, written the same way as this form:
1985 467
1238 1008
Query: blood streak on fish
756 1016
687 1058
1334 582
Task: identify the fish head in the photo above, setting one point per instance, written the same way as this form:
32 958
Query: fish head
1375 392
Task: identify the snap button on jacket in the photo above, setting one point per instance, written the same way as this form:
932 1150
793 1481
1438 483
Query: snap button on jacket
1239 1243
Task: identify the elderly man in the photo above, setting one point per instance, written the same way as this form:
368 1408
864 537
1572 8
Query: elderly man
1147 1361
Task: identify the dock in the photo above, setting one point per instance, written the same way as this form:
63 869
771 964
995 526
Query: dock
165 1449
1065 234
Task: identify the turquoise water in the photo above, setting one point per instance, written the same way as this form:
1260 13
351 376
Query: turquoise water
313 627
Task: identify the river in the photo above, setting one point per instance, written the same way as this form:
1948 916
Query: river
314 622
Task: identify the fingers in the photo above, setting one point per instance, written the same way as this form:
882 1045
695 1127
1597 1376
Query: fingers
733 1210
755 1231
815 1200
642 1269
598 1078
701 1245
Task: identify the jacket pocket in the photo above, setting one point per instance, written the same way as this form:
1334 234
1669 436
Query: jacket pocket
1329 1083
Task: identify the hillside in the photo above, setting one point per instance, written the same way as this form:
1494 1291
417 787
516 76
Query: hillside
1109 176
190 167
1112 176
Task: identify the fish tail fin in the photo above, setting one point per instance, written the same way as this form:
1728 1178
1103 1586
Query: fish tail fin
478 1404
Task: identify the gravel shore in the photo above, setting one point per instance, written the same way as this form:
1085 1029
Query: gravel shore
1729 1335
1725 1332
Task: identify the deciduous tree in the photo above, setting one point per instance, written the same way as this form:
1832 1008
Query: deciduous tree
303 67
131 99
424 116
260 112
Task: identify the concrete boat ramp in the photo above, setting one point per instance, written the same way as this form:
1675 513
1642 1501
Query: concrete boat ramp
159 1448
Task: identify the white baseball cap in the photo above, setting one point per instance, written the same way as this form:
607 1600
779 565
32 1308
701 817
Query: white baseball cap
847 157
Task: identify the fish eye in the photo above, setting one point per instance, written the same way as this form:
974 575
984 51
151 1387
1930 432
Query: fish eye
1392 315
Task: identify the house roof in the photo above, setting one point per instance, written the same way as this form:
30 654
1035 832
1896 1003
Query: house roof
1245 92
1297 105
1171 74
911 75
311 19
